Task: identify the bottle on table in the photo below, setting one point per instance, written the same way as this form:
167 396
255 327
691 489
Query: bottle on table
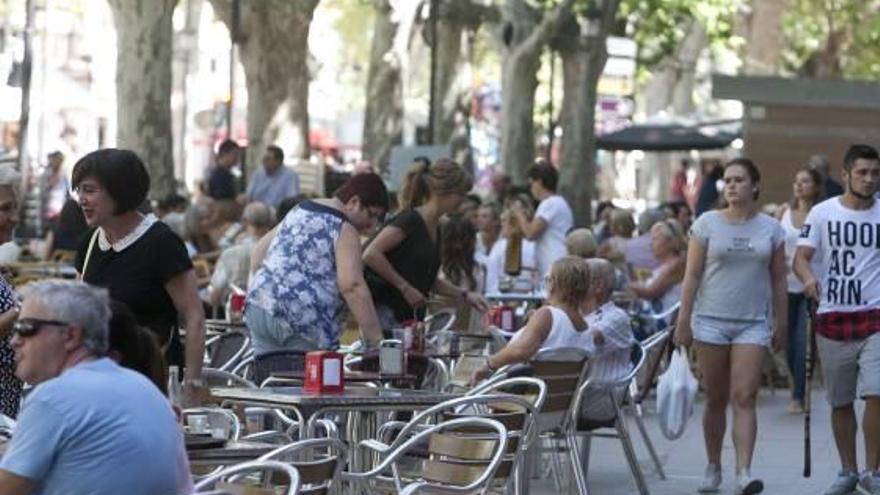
175 395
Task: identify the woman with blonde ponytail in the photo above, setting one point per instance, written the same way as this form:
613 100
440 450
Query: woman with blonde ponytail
403 259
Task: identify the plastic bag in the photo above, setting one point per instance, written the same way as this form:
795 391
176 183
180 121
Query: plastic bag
676 391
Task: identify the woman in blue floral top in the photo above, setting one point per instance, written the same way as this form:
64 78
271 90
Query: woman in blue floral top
306 270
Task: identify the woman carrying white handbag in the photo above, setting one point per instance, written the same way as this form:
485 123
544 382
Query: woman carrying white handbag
735 270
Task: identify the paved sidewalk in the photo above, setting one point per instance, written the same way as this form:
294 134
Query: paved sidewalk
778 456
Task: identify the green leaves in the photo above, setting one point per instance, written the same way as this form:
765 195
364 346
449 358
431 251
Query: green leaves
658 25
833 38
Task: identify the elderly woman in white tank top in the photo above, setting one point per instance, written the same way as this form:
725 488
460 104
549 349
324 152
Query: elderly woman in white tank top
807 190
558 324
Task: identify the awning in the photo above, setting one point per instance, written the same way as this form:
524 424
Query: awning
668 137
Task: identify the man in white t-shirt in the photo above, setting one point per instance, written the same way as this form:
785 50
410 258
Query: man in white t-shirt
552 221
841 238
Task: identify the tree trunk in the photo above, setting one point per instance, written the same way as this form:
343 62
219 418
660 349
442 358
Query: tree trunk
450 65
582 64
671 89
765 39
458 19
671 85
273 48
525 33
143 86
383 117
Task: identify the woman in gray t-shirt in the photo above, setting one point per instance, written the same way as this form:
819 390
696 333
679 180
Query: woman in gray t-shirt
735 270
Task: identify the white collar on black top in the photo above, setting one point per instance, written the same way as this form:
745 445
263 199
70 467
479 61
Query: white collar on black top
138 232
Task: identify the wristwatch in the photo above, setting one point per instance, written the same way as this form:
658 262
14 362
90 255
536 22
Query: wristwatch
194 382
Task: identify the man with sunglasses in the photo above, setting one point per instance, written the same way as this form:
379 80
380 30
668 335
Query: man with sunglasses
89 426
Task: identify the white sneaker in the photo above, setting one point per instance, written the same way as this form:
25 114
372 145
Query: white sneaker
844 484
870 482
711 479
746 485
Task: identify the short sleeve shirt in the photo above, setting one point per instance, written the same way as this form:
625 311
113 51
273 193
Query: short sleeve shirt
550 245
495 263
847 257
273 189
233 267
735 284
221 184
416 259
97 429
136 275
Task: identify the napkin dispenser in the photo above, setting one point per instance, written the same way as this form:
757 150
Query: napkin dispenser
504 318
324 372
235 307
392 360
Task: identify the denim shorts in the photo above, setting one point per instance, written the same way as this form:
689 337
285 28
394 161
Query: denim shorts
723 331
270 334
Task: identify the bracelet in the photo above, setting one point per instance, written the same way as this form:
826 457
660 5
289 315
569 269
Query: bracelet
489 365
194 382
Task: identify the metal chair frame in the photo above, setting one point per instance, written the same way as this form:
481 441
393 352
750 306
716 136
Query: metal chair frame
304 467
236 357
239 470
226 414
617 390
480 485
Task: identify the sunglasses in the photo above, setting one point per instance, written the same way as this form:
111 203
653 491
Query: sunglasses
28 327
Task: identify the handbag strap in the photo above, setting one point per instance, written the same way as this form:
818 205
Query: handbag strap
82 274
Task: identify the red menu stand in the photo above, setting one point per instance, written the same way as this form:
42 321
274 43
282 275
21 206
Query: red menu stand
324 373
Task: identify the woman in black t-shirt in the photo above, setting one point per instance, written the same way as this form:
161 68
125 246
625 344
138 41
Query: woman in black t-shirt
138 258
403 259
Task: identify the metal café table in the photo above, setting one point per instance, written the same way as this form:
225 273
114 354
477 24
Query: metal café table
534 297
44 269
361 402
233 452
354 377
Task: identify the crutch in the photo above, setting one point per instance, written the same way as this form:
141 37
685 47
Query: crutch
809 360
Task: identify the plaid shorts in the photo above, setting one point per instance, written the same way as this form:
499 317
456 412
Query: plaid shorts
840 326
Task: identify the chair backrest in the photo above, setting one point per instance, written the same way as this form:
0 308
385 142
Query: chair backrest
439 321
523 427
466 454
233 473
227 350
562 369
463 456
245 367
654 348
461 372
219 378
318 462
515 412
618 389
222 422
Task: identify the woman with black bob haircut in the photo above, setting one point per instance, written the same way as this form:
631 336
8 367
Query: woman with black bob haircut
139 259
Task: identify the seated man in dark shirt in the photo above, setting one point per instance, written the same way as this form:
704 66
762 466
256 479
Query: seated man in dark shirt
221 182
